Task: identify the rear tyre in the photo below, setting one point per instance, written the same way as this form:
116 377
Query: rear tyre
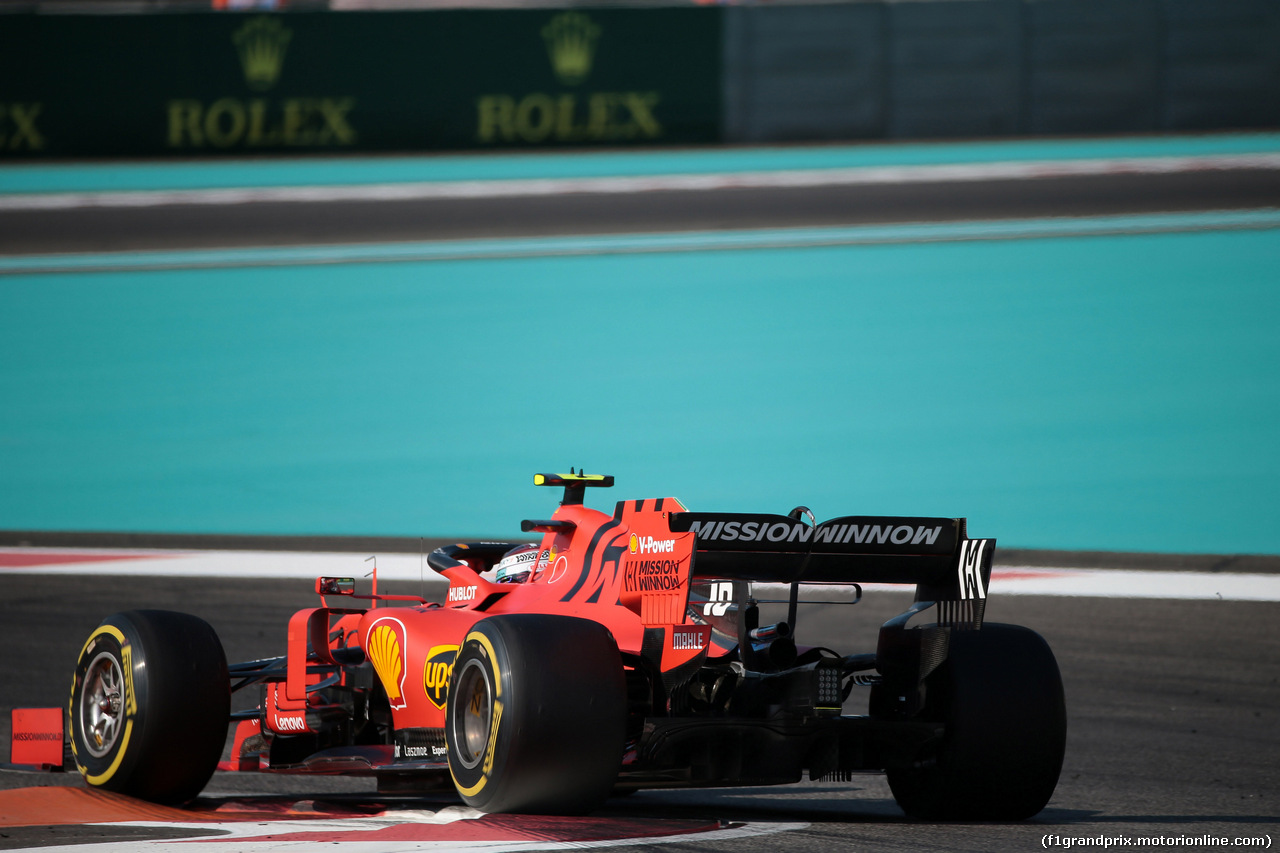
150 703
1000 697
536 717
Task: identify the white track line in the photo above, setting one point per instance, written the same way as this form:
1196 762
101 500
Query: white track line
783 179
1114 583
1088 583
409 569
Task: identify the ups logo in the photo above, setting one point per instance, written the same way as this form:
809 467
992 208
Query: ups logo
436 673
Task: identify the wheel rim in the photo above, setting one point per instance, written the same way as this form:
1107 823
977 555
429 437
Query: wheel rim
102 704
472 709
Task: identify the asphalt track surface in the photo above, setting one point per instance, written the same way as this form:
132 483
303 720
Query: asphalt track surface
1174 729
293 223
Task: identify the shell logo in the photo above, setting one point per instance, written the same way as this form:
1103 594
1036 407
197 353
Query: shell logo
634 544
385 648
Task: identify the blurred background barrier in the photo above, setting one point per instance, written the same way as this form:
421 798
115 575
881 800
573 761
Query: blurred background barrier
199 83
992 67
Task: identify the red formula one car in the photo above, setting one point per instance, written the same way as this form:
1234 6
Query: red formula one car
631 656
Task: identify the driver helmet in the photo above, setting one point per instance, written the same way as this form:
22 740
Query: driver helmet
517 565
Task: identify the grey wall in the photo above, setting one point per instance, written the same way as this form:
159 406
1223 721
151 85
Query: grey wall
1223 63
804 72
929 68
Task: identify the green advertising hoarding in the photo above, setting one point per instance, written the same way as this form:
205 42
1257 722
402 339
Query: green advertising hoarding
202 84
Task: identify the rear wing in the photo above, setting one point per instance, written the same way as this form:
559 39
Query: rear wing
935 554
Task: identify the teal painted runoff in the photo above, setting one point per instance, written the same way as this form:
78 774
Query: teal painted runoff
270 172
1092 392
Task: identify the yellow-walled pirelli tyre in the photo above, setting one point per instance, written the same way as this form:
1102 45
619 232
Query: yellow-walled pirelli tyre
999 694
150 705
536 717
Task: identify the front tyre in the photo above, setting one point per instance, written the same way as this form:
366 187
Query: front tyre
150 703
999 695
536 717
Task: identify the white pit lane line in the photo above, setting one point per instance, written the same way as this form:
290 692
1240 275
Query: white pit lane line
141 562
411 569
624 184
407 833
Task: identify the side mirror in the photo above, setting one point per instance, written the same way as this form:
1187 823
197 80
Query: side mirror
336 586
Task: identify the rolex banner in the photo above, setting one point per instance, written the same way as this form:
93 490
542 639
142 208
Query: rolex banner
203 84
